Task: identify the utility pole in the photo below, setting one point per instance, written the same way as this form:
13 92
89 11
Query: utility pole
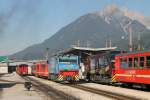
78 43
47 54
110 43
139 41
129 35
130 40
88 43
106 43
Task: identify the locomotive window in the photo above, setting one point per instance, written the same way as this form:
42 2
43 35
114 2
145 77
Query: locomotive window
148 61
135 62
124 63
68 60
141 61
130 62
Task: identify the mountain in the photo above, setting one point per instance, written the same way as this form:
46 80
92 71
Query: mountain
92 29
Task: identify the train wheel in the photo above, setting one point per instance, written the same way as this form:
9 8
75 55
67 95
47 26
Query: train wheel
130 84
148 86
127 85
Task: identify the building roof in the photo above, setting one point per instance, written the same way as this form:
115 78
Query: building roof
77 50
94 49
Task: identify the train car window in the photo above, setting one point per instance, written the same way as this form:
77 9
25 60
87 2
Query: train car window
141 62
124 63
130 62
148 61
43 66
136 62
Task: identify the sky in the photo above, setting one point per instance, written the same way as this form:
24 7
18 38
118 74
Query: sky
27 22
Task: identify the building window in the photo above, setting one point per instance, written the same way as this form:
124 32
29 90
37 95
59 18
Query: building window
148 61
124 63
130 62
136 62
141 62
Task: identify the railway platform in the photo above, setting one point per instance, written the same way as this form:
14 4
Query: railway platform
12 88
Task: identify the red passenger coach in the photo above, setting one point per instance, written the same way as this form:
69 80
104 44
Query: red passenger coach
133 68
42 69
22 69
33 69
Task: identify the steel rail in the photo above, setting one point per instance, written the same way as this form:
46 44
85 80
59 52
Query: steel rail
112 95
50 91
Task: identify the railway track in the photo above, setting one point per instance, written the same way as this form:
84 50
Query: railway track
63 96
50 91
112 95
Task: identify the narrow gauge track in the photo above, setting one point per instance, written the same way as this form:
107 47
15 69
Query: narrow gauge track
112 95
50 91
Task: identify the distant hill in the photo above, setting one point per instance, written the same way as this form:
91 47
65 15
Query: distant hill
92 30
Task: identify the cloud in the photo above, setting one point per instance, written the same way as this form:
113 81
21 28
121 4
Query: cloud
5 17
114 9
137 16
25 8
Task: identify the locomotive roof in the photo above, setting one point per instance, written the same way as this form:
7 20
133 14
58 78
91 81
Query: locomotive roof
135 52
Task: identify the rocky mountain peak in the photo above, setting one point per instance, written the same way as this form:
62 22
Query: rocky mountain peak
93 28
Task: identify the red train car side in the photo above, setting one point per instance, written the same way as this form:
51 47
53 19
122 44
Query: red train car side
33 69
22 69
133 68
41 69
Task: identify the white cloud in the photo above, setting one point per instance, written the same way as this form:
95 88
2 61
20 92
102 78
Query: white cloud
137 16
